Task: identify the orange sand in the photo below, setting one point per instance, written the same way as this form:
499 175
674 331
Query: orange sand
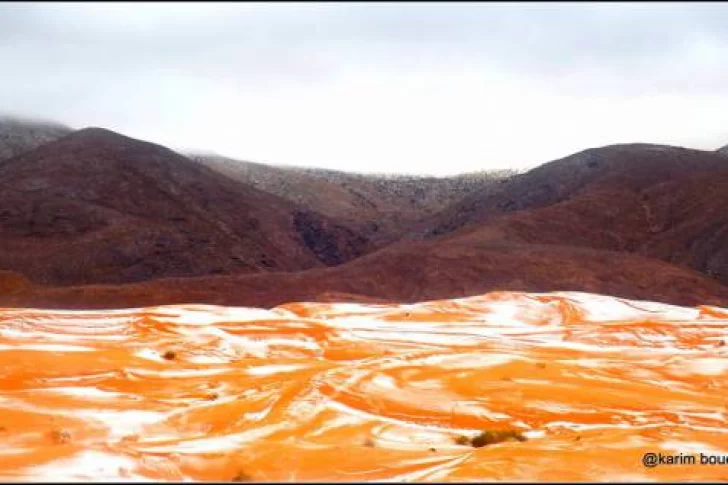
352 392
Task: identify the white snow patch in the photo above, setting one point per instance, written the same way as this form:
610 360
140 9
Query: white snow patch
266 370
217 444
120 423
47 348
86 392
707 366
88 465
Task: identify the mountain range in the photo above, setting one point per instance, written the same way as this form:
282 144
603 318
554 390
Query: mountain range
91 218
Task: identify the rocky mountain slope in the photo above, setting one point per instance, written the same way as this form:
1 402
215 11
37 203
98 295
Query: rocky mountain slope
411 272
657 201
634 166
19 136
636 221
96 206
382 207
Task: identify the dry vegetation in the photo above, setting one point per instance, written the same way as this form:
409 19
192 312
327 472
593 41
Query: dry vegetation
381 207
490 437
19 136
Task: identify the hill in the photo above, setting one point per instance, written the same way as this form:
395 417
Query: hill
99 207
632 166
19 136
636 221
657 201
380 206
414 271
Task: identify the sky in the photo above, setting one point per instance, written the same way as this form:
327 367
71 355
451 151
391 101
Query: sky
429 88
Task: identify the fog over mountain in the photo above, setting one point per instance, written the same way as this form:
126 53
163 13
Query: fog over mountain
21 135
428 88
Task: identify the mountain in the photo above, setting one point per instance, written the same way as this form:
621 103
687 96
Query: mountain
636 221
99 207
606 220
19 136
381 206
412 272
656 201
633 167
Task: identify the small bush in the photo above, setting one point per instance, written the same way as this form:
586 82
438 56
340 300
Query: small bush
462 440
242 477
493 437
60 437
490 438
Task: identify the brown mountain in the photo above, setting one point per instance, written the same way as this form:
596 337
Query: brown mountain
633 167
657 201
409 272
382 207
19 136
634 221
99 207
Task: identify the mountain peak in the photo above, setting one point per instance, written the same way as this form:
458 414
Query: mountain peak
96 134
96 131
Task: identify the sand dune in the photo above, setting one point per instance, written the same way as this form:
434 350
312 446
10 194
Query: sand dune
354 391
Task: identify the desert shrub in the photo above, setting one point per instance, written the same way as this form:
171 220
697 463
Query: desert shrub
60 436
242 476
462 440
493 437
490 438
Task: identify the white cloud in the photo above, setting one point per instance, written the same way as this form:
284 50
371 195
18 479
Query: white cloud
431 88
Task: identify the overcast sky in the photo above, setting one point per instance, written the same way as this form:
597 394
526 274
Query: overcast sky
420 88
